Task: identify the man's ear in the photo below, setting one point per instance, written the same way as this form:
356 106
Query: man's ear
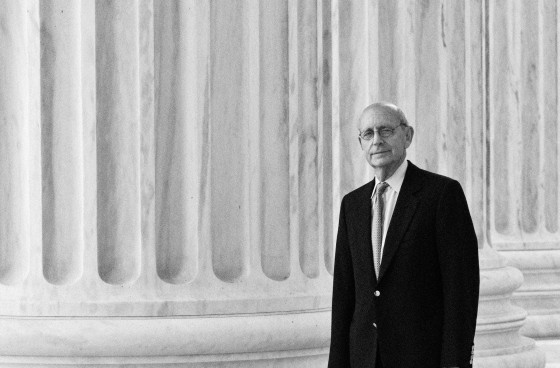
409 135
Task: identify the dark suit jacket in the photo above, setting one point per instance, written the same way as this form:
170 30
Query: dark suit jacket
425 311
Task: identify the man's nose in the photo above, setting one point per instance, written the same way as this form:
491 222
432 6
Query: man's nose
376 140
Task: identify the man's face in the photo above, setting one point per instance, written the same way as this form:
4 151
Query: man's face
389 152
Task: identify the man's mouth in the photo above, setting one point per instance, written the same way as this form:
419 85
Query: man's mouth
380 152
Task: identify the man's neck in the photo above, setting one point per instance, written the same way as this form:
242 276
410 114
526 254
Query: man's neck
384 173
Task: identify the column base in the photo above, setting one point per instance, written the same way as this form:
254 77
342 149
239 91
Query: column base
287 359
540 293
542 326
288 340
523 356
498 343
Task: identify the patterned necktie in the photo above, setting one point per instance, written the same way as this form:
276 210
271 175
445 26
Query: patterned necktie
377 225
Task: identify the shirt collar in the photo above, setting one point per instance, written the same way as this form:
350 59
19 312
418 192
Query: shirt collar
396 180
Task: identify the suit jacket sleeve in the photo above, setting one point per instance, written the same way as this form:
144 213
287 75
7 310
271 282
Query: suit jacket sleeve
458 260
343 297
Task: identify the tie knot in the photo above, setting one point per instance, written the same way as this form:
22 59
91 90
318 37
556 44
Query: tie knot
381 188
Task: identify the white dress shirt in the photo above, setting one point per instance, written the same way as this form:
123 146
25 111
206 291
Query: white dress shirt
390 197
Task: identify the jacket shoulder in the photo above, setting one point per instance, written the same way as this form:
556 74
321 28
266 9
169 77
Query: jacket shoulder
433 179
359 193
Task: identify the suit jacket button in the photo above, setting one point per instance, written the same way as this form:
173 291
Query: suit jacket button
376 293
374 325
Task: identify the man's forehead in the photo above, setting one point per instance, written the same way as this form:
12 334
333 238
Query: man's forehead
377 117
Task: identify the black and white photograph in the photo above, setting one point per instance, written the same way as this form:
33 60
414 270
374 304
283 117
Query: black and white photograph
280 183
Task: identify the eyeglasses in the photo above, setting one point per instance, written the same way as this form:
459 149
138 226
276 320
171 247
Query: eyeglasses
384 132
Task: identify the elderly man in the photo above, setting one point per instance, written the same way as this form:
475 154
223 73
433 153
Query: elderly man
406 277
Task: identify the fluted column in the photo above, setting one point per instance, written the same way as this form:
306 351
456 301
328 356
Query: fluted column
524 222
179 162
274 64
118 141
62 147
177 143
14 145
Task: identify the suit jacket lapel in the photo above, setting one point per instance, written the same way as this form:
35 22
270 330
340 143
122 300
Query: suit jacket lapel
403 213
363 217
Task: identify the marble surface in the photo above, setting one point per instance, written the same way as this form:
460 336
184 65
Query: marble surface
177 141
539 294
62 143
118 141
14 146
524 139
156 188
498 342
162 341
551 348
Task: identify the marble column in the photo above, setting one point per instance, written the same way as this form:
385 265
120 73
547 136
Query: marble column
62 143
524 156
118 141
168 201
14 146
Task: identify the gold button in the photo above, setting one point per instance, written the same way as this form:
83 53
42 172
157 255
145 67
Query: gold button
375 325
376 293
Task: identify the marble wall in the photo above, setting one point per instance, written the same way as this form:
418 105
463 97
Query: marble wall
173 169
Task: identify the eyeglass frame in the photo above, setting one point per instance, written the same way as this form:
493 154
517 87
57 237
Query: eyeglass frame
392 132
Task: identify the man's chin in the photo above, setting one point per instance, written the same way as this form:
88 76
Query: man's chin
380 161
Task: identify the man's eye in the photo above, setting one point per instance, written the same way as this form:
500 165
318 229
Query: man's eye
385 132
367 135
